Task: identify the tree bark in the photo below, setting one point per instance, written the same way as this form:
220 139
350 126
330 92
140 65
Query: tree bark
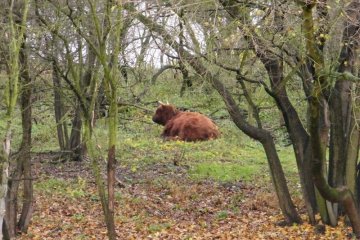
23 161
75 136
25 148
59 110
187 83
18 19
319 125
344 144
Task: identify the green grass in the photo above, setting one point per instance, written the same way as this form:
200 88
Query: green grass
232 157
224 172
73 188
222 215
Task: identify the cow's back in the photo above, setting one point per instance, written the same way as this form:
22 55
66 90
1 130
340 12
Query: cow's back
190 126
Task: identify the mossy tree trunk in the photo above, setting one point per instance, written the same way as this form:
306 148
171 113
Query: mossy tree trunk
25 157
21 168
344 144
16 32
187 83
320 123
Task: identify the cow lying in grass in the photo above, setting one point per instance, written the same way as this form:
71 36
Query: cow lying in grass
186 126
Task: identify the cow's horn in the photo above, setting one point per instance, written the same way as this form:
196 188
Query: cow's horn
161 103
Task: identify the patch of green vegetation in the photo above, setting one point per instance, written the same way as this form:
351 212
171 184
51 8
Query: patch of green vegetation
82 237
224 172
222 215
73 188
44 137
51 184
119 197
78 216
158 227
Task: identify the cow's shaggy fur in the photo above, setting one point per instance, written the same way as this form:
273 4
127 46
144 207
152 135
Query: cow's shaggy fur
186 126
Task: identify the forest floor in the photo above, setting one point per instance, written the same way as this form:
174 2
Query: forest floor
159 202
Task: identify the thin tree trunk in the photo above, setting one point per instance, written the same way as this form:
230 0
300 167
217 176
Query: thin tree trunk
279 181
111 167
319 125
341 114
11 197
25 158
12 95
59 109
75 137
185 73
352 154
4 160
27 207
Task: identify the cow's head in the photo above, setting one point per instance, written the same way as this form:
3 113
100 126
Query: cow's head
164 113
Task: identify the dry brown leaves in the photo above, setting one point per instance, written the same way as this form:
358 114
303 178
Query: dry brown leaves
165 204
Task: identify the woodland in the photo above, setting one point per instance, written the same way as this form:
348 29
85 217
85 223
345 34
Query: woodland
81 158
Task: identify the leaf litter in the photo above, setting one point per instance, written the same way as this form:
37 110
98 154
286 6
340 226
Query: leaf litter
161 202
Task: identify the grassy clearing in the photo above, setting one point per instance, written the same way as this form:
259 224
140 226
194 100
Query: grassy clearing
233 157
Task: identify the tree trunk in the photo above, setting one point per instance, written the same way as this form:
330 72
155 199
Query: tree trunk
338 195
279 181
23 161
187 83
111 166
344 143
319 124
353 153
12 195
17 33
59 109
75 137
297 133
98 179
340 115
25 148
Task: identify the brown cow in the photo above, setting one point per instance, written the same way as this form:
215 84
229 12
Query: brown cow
186 126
